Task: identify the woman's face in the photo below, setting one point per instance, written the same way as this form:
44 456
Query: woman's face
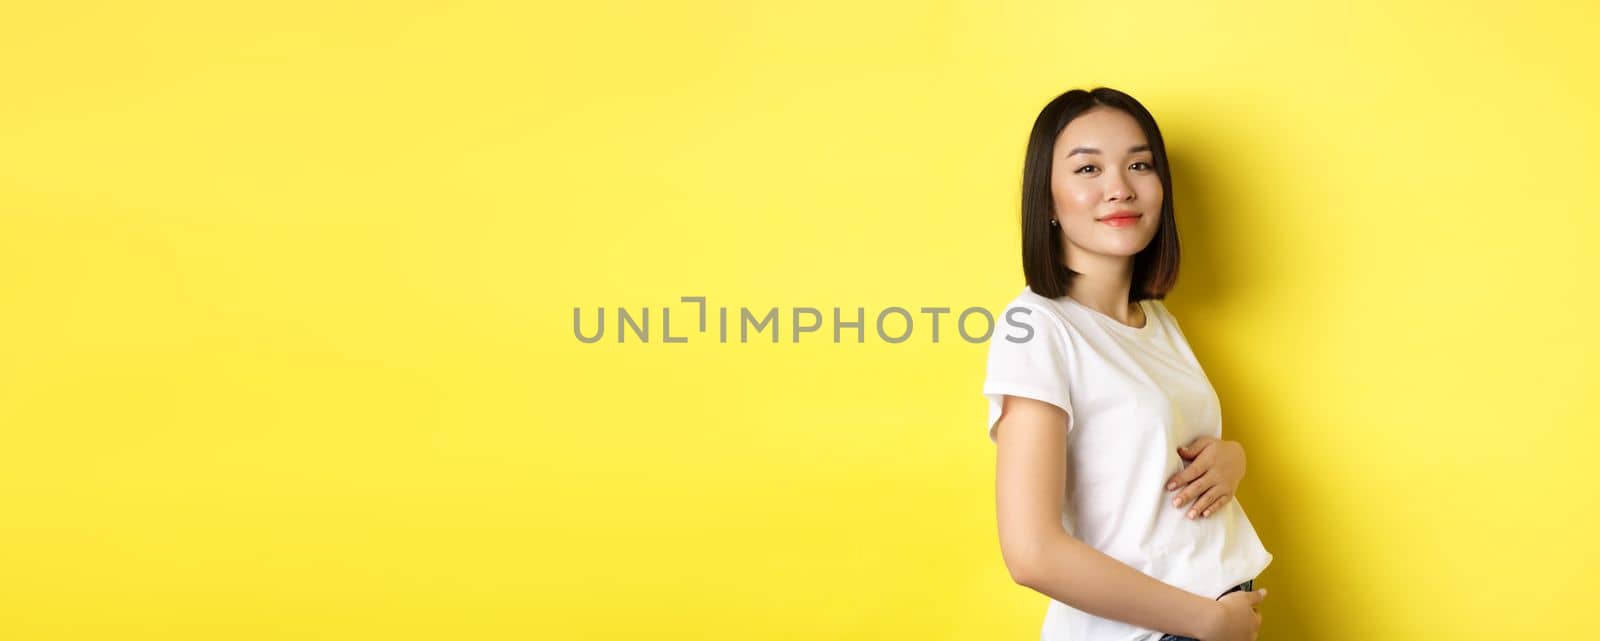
1102 167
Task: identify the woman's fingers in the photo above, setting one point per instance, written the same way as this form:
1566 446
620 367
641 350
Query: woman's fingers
1201 457
1205 482
1221 501
1187 475
1204 502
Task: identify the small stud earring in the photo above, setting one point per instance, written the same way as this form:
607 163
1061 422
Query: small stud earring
1053 222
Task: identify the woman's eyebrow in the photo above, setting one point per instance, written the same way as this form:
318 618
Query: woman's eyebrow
1092 150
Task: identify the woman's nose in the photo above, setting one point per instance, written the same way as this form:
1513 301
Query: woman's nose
1118 189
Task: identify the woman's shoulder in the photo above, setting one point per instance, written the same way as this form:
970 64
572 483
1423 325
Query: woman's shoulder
1031 304
1031 300
1159 306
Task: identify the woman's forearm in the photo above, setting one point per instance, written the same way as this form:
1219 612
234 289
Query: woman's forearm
1074 573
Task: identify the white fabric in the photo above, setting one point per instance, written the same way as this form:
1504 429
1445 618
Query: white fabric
1132 396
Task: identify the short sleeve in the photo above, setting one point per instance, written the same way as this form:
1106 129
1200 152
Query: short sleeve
1028 357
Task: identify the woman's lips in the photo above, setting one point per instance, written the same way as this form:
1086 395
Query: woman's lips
1120 221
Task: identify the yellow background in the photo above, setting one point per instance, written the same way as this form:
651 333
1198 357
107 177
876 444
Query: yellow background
287 295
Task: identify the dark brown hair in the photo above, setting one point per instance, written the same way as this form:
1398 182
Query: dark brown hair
1155 268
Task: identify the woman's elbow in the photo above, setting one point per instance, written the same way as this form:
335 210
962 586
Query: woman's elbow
1021 574
1022 559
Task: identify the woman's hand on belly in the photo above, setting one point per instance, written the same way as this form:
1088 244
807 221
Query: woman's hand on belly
1213 477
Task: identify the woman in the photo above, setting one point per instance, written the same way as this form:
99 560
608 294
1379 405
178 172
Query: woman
1097 405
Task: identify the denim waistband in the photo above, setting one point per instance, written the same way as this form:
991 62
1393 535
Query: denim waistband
1242 587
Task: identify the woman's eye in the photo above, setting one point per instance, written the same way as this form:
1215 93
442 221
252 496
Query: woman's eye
1147 167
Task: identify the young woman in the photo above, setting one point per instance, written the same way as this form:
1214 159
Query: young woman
1113 489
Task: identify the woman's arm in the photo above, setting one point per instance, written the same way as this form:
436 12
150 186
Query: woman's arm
1030 482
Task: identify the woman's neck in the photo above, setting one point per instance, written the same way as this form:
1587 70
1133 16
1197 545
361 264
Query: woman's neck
1107 293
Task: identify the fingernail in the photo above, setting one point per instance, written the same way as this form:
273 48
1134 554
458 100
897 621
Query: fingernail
1177 501
1172 486
1191 514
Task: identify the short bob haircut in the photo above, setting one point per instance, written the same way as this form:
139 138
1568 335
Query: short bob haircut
1155 268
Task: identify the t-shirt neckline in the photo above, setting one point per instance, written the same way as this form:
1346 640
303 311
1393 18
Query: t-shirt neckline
1149 317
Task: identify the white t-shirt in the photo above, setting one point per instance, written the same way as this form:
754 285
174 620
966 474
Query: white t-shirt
1132 396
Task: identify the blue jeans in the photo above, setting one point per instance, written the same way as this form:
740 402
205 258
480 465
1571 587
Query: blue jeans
1242 587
